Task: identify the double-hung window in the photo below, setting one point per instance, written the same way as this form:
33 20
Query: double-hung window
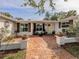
24 27
39 27
65 24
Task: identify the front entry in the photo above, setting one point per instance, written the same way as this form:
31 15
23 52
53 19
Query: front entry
38 28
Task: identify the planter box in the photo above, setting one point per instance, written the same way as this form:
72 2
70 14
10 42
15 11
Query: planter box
13 45
64 40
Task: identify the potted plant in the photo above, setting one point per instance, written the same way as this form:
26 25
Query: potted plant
24 37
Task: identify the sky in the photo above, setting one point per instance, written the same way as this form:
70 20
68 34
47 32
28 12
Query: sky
14 8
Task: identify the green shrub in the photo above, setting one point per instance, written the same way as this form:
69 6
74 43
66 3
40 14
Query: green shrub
71 34
18 55
7 39
60 34
73 49
9 57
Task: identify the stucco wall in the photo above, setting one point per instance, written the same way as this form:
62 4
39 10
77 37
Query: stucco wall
10 27
27 32
57 29
49 29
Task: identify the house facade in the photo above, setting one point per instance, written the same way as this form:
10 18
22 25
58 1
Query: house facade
32 27
28 27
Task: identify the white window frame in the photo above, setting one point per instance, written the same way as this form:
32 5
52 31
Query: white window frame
23 26
39 27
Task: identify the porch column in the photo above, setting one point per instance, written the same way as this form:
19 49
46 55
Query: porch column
32 28
54 26
18 27
43 27
57 29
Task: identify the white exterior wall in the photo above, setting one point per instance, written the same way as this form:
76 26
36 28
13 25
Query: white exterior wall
27 33
10 28
49 29
57 29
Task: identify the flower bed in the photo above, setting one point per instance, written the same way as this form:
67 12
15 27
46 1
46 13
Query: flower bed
73 48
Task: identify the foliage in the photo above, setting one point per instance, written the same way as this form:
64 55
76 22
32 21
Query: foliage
47 15
8 39
40 5
18 55
73 49
6 14
18 18
71 12
60 15
54 17
60 34
45 19
9 57
3 32
73 30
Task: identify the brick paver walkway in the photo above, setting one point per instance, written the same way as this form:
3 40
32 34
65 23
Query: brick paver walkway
45 48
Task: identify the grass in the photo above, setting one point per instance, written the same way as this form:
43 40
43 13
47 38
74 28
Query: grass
73 49
18 55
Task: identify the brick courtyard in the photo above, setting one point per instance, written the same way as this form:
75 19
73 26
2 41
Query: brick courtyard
45 47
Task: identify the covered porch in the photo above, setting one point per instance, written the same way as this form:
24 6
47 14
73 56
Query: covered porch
34 27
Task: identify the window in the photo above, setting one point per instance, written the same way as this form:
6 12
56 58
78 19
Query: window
65 24
39 27
24 27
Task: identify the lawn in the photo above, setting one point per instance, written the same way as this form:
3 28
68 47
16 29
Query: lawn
73 48
18 55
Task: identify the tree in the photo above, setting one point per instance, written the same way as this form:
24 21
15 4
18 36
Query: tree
71 13
61 15
54 17
73 30
47 15
6 14
18 18
40 5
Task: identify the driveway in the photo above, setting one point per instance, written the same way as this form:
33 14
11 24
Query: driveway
45 47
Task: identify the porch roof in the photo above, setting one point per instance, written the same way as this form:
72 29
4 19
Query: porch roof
7 18
48 21
40 21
